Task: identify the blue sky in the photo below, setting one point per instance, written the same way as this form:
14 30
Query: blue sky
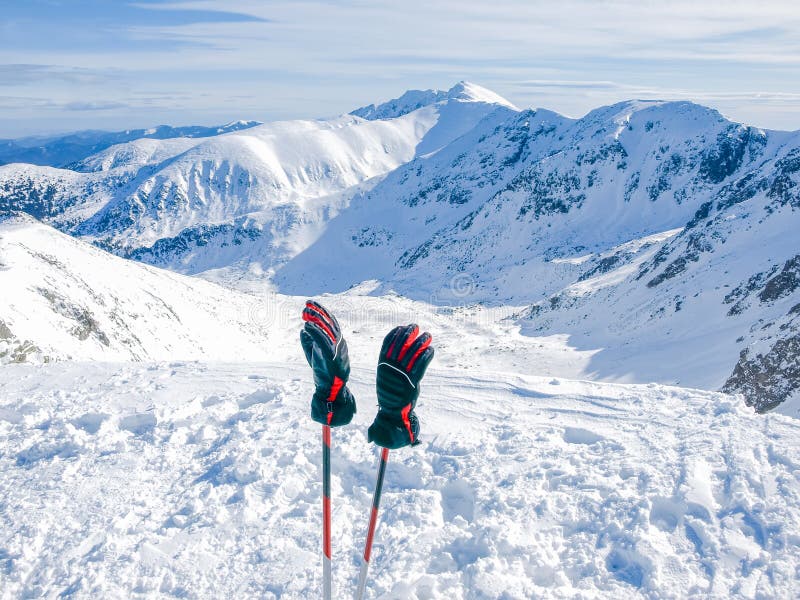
75 64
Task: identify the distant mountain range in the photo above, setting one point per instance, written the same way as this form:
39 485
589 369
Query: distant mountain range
659 235
63 150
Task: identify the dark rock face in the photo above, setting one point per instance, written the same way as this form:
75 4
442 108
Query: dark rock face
192 238
86 325
29 196
548 193
695 245
727 156
768 379
784 283
604 265
784 190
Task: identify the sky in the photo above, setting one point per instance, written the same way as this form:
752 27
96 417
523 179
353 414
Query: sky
102 64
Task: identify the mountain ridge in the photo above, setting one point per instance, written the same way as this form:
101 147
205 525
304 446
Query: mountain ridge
621 229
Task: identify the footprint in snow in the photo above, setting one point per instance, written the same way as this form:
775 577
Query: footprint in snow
90 422
624 565
458 499
139 423
577 435
666 513
259 397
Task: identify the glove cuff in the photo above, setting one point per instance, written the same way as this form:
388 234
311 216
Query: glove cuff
395 430
336 412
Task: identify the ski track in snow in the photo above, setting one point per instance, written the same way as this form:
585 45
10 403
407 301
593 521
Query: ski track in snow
202 480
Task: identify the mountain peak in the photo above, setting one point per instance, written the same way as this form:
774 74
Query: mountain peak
472 92
463 91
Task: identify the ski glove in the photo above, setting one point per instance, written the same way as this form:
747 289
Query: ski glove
326 353
404 357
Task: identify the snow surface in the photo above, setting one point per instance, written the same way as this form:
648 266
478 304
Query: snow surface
202 480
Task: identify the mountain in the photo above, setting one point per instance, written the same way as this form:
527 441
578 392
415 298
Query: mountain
646 231
241 203
658 237
63 150
65 299
412 100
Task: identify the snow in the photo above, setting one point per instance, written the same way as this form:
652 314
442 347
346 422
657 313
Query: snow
286 180
472 92
203 479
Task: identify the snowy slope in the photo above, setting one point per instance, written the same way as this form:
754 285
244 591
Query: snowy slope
64 299
532 186
203 480
717 304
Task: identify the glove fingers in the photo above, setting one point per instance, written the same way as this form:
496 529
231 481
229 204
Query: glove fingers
311 315
401 342
315 309
411 355
412 331
388 342
321 338
421 364
327 314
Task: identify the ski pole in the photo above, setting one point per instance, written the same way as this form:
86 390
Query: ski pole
326 512
373 522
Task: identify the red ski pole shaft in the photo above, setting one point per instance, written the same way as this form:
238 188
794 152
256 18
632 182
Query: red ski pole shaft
373 523
326 512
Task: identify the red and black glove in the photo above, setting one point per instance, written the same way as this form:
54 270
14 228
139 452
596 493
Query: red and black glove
326 353
403 359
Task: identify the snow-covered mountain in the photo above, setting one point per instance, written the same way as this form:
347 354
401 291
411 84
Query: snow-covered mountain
630 230
412 100
249 200
658 236
65 150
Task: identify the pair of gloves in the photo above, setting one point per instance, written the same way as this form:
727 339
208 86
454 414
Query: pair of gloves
402 362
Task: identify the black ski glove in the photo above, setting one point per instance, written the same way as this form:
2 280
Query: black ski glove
401 365
326 353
